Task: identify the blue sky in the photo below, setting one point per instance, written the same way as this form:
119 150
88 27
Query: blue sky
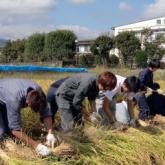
87 18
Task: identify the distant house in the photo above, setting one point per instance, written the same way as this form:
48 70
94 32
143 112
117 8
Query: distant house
156 26
83 47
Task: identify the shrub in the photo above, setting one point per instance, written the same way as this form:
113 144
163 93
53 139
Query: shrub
113 60
141 58
97 60
83 61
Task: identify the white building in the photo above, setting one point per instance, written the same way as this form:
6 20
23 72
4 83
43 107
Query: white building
156 26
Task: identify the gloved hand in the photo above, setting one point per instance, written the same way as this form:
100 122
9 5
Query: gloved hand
133 123
51 140
160 91
42 150
94 117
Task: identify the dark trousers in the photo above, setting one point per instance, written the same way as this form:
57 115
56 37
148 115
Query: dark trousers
143 106
156 102
51 96
52 101
4 129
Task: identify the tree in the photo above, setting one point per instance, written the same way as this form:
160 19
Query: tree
13 51
154 48
128 44
141 58
114 60
6 52
145 34
60 44
101 47
34 47
83 62
18 47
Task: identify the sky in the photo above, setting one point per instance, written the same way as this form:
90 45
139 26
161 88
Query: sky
87 18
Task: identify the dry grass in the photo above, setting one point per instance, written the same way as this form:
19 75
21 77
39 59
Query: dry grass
92 145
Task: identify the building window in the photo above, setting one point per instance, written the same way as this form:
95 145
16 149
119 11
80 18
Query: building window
158 21
164 21
87 48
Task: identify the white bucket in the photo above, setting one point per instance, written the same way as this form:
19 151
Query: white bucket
122 114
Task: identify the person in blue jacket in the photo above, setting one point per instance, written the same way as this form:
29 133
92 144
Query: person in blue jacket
67 95
16 94
146 79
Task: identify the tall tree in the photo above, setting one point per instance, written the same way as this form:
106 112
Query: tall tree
34 47
18 47
6 52
155 49
13 51
128 44
60 44
101 47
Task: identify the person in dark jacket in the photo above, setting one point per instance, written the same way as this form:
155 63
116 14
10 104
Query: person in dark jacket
16 94
71 93
156 102
146 79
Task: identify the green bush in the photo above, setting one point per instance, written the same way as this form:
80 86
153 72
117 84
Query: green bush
113 60
98 60
141 58
83 61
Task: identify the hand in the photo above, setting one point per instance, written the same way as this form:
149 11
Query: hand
133 123
149 90
94 117
51 140
42 150
160 91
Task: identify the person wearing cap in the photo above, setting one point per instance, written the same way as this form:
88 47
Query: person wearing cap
16 94
71 93
147 84
116 106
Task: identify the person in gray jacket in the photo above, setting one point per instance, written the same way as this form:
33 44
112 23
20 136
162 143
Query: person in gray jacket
19 93
70 94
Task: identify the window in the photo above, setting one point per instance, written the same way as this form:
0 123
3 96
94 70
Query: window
87 48
158 21
164 21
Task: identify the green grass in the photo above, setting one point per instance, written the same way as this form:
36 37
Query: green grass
94 145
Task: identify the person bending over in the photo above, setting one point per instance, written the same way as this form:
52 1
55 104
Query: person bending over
116 106
71 92
16 94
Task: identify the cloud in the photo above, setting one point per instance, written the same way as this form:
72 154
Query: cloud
21 18
155 9
23 11
81 1
82 32
124 6
23 31
25 6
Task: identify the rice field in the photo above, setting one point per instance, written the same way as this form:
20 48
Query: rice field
93 145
